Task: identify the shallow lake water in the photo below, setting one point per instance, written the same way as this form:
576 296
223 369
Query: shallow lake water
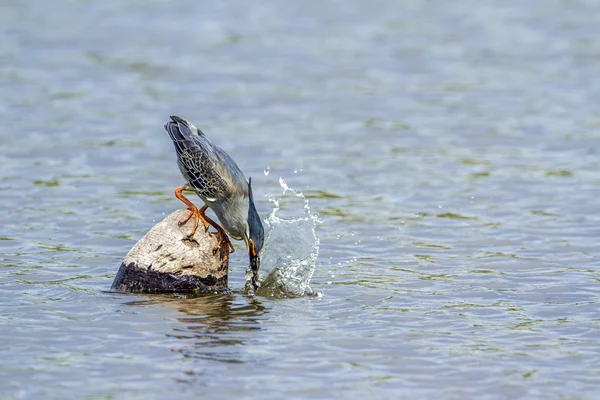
451 150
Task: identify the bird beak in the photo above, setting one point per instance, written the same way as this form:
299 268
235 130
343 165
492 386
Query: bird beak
254 258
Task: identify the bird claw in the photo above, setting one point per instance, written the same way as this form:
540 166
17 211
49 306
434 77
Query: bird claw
224 245
184 221
224 254
200 215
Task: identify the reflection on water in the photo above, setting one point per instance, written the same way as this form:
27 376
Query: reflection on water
213 326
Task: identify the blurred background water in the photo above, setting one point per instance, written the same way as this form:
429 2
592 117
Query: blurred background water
450 148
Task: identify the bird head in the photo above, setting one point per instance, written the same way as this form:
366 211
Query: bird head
255 235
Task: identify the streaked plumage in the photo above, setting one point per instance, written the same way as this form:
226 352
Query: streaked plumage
216 178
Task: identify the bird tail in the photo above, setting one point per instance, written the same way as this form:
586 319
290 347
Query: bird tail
180 129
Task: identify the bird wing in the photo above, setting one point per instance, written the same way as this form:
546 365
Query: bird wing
202 175
196 160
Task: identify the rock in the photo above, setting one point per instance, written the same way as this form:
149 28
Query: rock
166 260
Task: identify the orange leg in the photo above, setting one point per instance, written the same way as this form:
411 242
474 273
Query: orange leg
223 238
199 215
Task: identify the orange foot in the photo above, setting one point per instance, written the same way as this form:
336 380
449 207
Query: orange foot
198 214
223 239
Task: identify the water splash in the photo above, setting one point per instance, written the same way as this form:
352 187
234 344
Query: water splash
291 249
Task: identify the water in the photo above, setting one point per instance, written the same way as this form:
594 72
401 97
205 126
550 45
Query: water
291 250
449 148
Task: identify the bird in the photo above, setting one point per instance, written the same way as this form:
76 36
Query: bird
220 183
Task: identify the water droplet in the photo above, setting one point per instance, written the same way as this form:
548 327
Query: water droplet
283 185
267 170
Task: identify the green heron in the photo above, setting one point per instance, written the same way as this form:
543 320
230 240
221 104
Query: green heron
218 181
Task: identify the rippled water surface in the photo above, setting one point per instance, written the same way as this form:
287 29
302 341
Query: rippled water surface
451 150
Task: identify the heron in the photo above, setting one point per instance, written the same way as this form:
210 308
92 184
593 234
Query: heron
220 183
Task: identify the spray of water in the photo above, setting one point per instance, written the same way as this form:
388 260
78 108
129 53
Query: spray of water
290 251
